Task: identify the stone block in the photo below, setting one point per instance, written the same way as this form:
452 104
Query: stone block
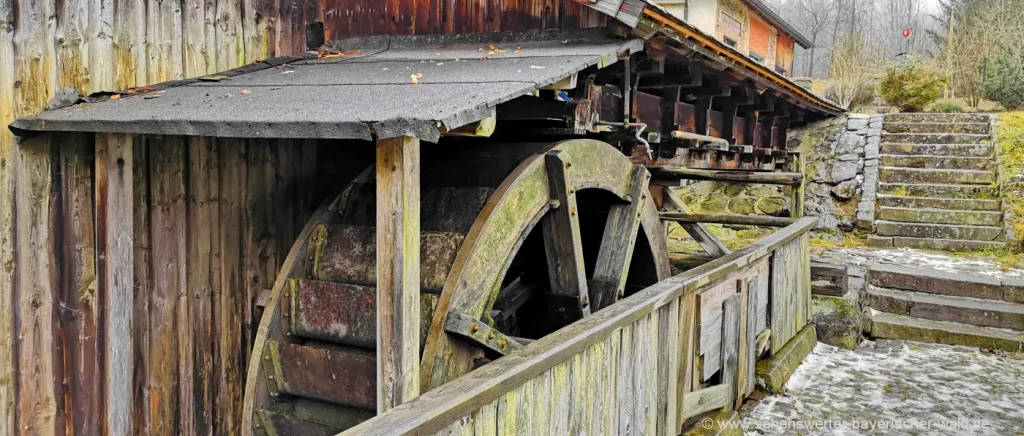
935 282
771 374
879 241
938 231
846 190
1013 290
844 170
836 320
889 326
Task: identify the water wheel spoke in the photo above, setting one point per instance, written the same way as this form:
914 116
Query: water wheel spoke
563 244
620 232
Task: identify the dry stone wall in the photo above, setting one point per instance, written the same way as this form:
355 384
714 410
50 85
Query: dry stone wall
842 169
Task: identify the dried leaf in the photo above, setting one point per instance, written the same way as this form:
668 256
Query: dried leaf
416 78
115 96
245 92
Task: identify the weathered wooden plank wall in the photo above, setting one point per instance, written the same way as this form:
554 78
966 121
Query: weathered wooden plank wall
623 370
209 220
192 300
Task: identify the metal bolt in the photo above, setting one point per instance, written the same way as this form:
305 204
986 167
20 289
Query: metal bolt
270 377
568 164
572 191
502 343
267 358
286 293
474 327
586 301
490 335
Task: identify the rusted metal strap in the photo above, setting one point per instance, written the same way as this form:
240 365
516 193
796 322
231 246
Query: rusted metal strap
480 333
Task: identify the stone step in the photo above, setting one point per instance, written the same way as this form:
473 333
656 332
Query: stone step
938 203
934 138
890 326
938 162
927 127
941 150
972 192
938 231
935 307
939 216
946 283
932 176
937 118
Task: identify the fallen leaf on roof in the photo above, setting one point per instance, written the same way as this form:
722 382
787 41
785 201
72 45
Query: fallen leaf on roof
228 96
287 72
483 58
416 78
501 51
333 53
245 92
437 54
490 53
140 89
535 67
115 96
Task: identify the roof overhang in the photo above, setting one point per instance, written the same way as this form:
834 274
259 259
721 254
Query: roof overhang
378 87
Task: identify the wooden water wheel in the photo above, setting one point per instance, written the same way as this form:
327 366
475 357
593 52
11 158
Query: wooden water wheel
517 240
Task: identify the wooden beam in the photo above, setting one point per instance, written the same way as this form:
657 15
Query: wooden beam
706 400
562 241
699 232
796 209
620 231
398 271
670 176
114 230
731 314
749 220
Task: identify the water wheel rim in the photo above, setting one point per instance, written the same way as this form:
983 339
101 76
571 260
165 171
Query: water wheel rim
519 203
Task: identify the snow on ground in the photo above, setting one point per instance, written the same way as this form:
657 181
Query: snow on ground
917 259
896 387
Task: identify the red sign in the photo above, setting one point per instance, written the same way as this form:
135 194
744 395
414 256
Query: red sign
906 33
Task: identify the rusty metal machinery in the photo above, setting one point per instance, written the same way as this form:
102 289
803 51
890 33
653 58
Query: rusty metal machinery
510 234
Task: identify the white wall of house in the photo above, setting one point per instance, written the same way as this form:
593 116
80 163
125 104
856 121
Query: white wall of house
703 15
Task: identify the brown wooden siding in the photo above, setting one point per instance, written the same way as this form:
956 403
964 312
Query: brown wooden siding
202 208
760 37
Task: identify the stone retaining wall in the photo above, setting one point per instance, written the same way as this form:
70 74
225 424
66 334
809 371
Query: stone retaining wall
842 170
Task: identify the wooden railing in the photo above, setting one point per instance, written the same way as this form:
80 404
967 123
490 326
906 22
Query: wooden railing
679 348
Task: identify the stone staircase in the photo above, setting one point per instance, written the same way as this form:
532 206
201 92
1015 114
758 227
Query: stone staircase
956 309
937 183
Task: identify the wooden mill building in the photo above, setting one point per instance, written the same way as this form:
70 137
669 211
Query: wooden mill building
410 216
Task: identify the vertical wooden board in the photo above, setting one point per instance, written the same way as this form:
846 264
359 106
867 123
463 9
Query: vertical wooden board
142 255
39 366
508 409
163 39
597 362
650 379
752 331
229 308
398 271
541 402
78 305
687 316
524 419
170 333
610 415
129 48
731 343
194 43
34 60
641 343
229 34
100 37
669 339
742 350
257 239
580 394
461 427
793 275
485 420
561 399
254 30
624 383
7 303
778 300
202 224
805 283
114 234
69 45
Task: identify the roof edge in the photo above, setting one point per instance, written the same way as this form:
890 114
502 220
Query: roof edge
774 17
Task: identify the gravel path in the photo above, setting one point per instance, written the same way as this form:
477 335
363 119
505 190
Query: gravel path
896 387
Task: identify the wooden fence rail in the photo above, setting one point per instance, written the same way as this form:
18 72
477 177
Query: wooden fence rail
638 367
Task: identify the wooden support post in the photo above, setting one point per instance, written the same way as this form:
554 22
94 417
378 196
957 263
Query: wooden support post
620 230
114 229
796 208
731 344
398 271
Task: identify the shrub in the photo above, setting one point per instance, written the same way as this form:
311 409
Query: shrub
948 108
912 87
1004 79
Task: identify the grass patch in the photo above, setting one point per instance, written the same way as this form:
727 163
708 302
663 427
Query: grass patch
902 191
1006 257
1011 148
